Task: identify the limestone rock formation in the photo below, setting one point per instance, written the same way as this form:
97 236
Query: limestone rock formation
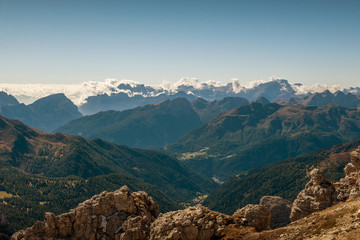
192 223
317 195
279 209
119 215
257 216
349 186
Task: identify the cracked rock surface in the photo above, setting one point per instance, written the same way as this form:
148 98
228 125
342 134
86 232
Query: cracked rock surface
318 195
279 209
119 215
193 223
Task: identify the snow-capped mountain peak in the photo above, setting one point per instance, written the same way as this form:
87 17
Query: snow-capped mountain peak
272 88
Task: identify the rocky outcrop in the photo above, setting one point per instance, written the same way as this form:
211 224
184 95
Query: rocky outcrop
256 216
279 208
119 215
317 195
349 186
339 222
320 194
193 223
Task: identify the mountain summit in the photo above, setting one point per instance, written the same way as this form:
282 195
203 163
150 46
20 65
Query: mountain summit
46 114
151 125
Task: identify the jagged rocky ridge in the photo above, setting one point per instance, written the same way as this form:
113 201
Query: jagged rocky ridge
324 98
320 194
117 215
133 216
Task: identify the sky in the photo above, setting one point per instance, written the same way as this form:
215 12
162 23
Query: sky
69 42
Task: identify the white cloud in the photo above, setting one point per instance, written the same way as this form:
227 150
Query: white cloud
304 89
78 93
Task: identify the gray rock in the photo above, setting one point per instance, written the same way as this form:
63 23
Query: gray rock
317 195
257 216
279 208
192 223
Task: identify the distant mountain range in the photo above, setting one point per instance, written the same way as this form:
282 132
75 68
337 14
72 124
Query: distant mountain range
324 98
151 125
130 94
256 134
92 97
46 114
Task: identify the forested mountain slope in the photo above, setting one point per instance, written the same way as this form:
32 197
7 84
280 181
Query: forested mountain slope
283 178
151 125
256 134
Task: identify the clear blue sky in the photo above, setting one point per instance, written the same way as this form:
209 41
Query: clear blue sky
151 41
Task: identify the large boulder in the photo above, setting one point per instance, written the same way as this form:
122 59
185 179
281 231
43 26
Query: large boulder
256 216
193 223
317 195
120 215
279 208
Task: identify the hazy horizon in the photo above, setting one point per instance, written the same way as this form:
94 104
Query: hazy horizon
78 93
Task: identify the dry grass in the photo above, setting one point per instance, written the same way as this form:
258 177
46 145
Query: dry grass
340 222
233 232
4 194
